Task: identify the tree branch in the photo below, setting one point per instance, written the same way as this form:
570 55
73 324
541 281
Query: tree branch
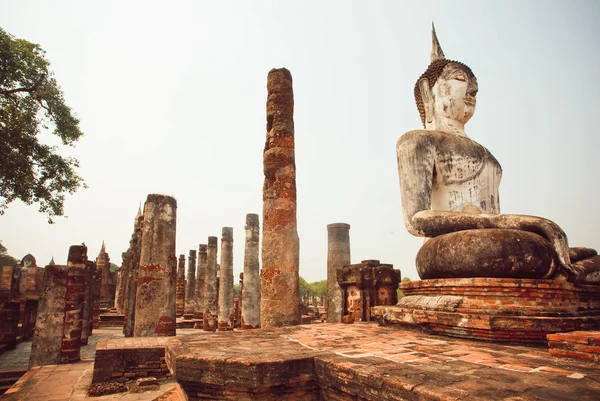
23 89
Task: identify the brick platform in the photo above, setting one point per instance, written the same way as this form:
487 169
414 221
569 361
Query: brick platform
512 310
368 362
70 383
577 344
130 357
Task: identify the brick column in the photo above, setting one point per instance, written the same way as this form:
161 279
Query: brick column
71 343
280 286
48 333
338 256
157 275
88 302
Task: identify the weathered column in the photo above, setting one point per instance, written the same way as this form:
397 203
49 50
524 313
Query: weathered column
190 286
251 289
280 291
71 343
226 281
209 322
338 256
88 302
135 248
180 292
157 275
121 279
47 335
200 282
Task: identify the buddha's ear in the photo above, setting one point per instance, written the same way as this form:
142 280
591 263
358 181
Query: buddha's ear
427 99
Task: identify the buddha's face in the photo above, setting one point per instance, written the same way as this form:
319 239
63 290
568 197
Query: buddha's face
454 93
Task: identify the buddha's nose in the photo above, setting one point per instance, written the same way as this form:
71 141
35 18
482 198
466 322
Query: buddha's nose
472 89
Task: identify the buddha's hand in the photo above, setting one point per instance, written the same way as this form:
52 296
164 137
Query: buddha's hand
545 228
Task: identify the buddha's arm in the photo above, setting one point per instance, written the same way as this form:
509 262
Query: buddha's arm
416 159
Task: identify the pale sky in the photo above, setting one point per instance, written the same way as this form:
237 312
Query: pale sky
171 98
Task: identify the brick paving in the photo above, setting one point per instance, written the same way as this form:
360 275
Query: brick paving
350 361
70 382
380 363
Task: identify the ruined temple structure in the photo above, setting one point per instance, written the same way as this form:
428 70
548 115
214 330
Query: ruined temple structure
338 256
30 286
107 287
9 307
156 281
180 289
366 285
280 285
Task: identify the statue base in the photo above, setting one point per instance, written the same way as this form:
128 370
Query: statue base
494 309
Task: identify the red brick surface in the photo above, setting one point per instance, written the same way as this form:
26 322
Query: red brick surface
513 310
576 344
367 362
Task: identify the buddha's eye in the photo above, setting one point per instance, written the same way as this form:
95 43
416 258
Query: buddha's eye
460 77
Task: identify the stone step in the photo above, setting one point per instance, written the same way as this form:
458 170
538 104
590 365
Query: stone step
8 378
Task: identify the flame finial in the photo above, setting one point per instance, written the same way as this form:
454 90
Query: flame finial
436 50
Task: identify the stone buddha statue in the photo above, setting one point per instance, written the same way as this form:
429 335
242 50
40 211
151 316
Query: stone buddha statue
449 185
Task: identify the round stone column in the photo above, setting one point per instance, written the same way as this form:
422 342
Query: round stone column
71 342
280 283
200 281
338 255
190 286
209 321
157 276
251 288
180 287
226 281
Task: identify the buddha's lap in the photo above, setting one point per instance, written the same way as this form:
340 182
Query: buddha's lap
500 253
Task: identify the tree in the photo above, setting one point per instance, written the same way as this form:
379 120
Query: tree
5 258
31 101
319 288
113 267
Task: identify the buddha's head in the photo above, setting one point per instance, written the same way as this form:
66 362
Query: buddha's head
446 91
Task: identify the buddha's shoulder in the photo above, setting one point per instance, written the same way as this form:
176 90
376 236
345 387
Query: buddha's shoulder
424 137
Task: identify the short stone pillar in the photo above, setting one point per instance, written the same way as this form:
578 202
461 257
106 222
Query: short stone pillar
157 276
180 290
209 321
88 302
338 256
226 281
48 333
250 292
71 343
280 283
190 285
200 283
365 286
